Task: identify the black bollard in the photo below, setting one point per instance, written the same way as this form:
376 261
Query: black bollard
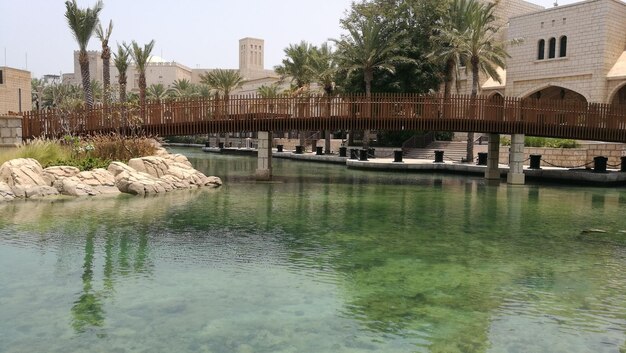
343 151
599 164
354 153
299 150
207 144
220 145
319 151
397 156
535 161
438 157
482 158
363 155
371 152
623 168
279 148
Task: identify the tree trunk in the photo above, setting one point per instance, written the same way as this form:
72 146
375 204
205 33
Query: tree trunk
83 60
106 75
122 82
475 83
369 76
142 89
449 78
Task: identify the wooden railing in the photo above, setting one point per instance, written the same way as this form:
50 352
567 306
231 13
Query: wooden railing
565 119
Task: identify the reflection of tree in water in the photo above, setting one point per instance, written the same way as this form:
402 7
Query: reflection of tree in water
121 257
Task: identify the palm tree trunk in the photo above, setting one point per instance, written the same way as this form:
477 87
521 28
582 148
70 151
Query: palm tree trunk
475 83
83 60
369 76
106 73
122 89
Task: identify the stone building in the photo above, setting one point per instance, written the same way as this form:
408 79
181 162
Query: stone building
15 91
571 52
160 71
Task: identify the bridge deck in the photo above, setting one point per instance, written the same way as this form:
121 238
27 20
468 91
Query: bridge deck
576 120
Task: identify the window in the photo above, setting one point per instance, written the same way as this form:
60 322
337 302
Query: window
563 47
541 49
552 49
1 79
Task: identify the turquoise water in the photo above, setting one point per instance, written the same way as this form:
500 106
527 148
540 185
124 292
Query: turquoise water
323 259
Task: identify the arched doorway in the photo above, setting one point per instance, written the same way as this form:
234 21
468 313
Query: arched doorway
558 93
495 107
619 97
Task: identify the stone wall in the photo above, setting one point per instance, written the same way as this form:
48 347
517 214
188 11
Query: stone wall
571 157
10 130
15 90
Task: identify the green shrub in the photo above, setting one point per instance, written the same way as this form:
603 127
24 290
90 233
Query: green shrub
531 141
44 151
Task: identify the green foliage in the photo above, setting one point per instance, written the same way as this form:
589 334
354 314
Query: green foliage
394 138
531 141
194 139
223 81
44 151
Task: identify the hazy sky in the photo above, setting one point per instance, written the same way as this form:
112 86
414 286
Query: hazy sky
195 33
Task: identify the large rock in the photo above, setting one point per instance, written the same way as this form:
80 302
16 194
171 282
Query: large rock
100 180
74 187
155 166
25 178
6 194
52 174
135 182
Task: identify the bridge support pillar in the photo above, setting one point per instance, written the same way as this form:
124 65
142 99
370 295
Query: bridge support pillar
516 160
493 172
264 169
327 137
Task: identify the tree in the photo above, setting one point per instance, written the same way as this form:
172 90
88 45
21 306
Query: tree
480 45
140 57
104 36
222 81
323 68
157 92
296 64
445 52
184 88
82 23
121 59
270 91
369 46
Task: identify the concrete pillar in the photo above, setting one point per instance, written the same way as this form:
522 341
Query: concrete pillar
493 172
10 130
516 160
264 169
327 137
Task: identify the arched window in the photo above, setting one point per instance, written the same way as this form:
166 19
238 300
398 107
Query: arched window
552 49
541 49
563 47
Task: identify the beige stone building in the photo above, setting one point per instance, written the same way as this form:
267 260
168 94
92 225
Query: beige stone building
15 92
570 52
160 71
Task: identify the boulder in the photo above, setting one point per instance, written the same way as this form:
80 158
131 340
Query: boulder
34 191
6 194
213 181
135 182
154 166
74 187
100 180
177 159
52 174
22 172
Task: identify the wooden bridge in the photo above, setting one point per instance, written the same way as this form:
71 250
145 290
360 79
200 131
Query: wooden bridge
503 115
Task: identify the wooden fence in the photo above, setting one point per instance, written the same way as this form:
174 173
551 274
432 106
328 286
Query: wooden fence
508 115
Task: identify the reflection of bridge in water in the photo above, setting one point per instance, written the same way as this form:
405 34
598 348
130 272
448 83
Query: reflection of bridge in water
494 115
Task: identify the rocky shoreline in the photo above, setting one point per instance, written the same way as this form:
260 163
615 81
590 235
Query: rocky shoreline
24 178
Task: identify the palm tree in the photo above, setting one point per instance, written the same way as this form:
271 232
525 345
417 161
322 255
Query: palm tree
104 36
370 46
444 52
323 68
223 81
184 88
296 64
270 91
140 57
121 59
157 92
82 23
484 52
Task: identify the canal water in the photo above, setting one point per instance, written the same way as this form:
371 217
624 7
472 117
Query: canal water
322 259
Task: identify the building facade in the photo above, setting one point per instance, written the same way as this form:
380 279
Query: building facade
573 52
160 71
15 90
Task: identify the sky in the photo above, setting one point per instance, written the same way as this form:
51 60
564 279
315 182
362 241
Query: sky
196 33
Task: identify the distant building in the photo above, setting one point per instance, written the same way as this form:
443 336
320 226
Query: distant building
15 92
251 67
